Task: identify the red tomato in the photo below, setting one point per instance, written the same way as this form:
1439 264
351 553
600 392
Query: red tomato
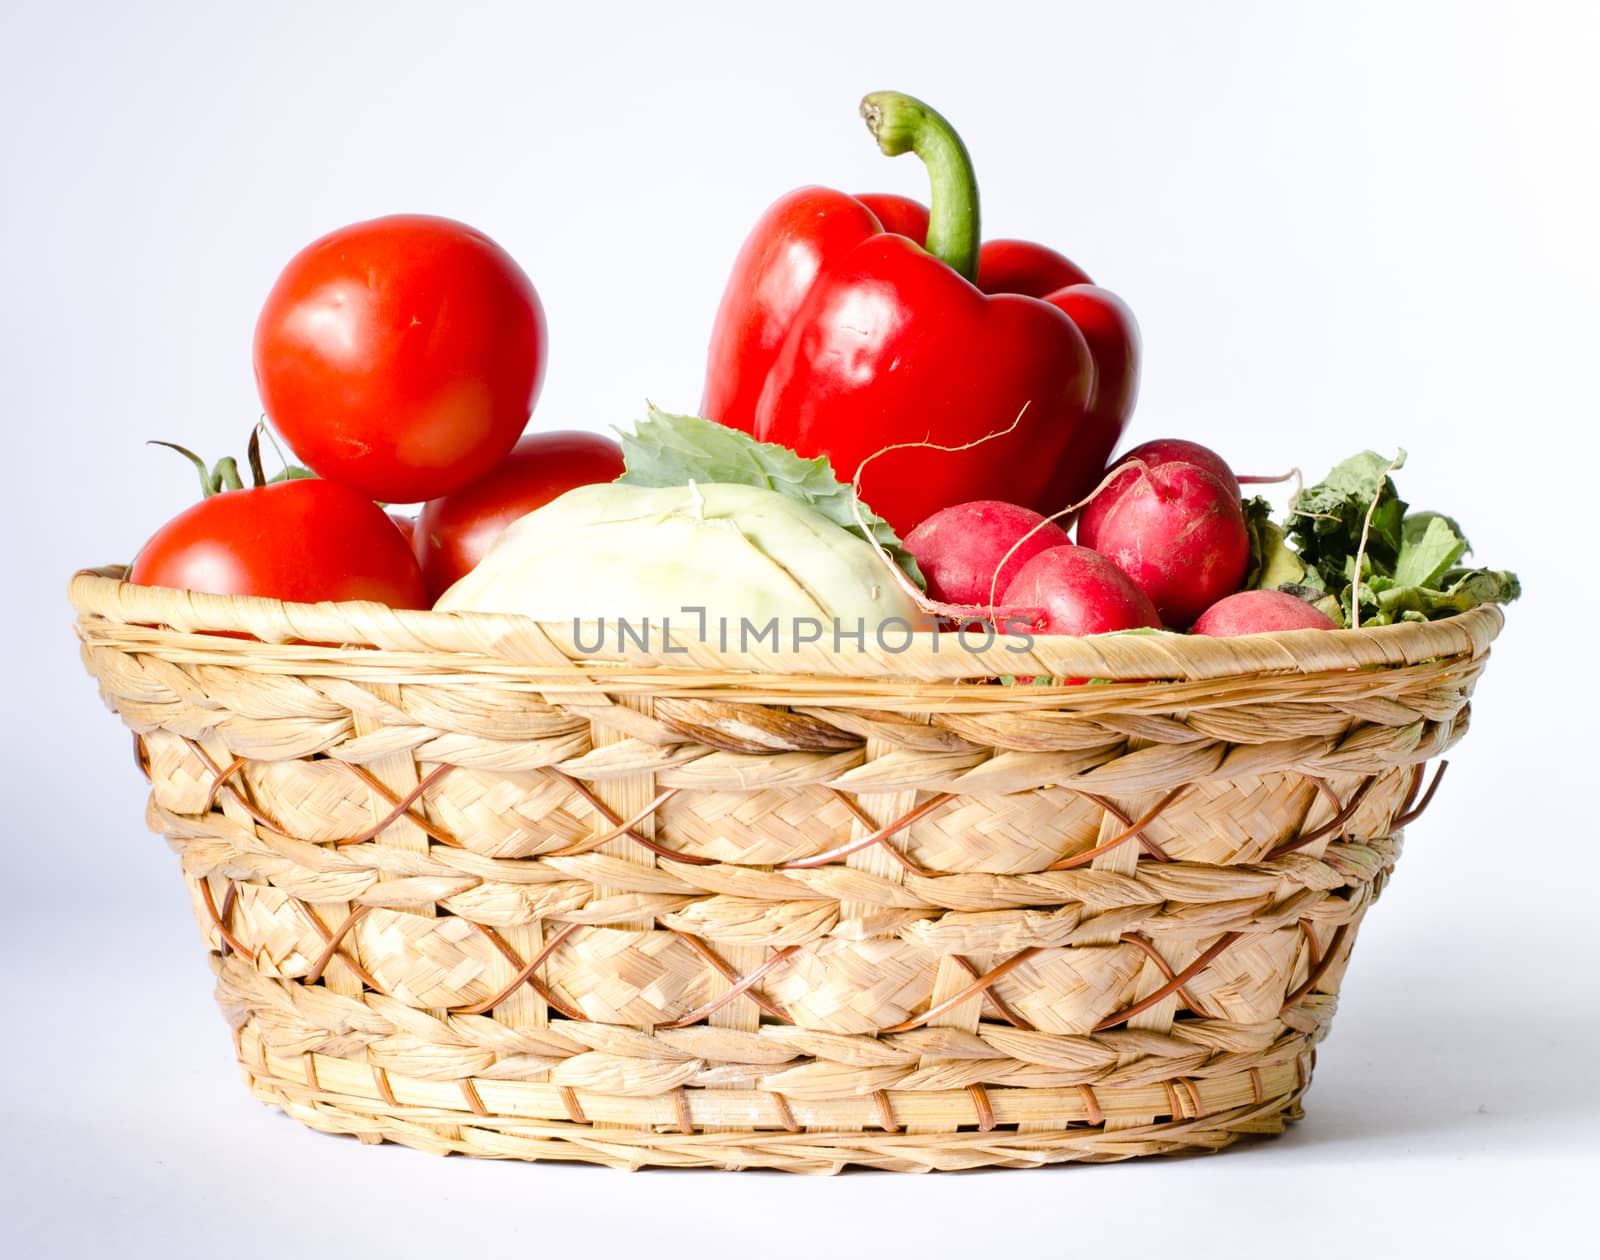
401 356
453 532
296 540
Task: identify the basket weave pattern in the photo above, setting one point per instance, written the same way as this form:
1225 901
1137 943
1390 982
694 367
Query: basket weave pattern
469 891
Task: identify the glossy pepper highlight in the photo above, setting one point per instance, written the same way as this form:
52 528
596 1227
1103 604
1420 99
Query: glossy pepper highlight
851 324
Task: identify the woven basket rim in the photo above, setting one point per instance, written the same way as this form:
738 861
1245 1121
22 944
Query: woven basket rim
313 637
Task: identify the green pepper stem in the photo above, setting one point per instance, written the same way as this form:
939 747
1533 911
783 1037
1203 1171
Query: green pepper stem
903 124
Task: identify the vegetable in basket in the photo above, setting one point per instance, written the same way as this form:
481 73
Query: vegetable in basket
1176 529
293 538
454 532
401 356
1080 592
646 554
668 450
1351 546
1259 612
839 339
970 552
1159 451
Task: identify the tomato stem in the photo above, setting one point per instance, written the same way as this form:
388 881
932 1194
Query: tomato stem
207 489
252 452
289 470
226 475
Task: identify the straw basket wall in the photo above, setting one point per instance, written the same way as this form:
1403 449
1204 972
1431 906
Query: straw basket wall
467 889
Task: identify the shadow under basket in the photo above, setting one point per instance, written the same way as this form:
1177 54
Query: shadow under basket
472 887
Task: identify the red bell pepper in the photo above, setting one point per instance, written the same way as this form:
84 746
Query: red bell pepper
838 336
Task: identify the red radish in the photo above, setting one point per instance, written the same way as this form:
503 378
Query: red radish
1181 451
1176 531
1080 592
1260 612
960 548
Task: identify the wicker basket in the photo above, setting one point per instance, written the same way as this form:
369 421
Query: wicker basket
469 889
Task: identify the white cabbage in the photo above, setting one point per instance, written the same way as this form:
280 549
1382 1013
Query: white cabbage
645 554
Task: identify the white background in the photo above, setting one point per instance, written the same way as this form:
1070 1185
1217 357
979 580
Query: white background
1341 225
